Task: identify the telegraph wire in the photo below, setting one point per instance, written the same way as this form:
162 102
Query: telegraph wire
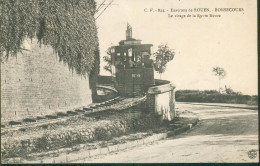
100 6
104 9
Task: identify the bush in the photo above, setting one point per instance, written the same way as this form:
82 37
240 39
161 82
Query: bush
212 96
102 134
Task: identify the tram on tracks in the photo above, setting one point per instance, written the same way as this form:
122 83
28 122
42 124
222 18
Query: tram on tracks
132 66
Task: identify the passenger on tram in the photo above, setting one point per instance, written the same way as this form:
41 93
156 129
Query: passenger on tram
120 65
138 61
147 61
131 64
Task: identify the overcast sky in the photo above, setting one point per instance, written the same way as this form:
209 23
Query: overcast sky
200 44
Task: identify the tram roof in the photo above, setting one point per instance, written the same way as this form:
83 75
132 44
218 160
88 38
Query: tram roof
133 46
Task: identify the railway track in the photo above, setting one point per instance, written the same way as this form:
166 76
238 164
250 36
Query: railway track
49 117
113 104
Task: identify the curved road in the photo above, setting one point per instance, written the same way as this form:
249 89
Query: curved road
224 134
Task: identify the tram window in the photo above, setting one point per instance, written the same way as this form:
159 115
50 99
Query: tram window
151 49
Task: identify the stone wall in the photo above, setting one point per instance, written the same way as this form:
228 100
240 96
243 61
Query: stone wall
107 80
161 99
35 83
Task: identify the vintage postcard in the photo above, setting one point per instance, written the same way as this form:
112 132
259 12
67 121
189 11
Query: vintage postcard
129 81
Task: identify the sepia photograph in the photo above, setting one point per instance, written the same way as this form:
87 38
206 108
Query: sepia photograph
129 81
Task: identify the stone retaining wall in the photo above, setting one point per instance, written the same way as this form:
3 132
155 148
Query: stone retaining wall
36 83
105 80
161 99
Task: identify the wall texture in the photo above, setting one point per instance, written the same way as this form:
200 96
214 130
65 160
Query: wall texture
36 83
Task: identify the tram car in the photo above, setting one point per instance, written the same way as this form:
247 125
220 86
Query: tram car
132 67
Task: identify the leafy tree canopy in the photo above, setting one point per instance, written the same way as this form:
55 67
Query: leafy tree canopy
66 25
162 56
220 72
108 60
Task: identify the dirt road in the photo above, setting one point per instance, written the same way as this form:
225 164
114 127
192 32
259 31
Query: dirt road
223 135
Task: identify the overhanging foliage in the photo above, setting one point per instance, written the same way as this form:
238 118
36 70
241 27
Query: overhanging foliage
66 25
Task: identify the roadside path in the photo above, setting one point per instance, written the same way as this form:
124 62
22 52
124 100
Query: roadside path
243 106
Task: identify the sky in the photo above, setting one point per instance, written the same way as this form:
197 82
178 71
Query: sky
229 41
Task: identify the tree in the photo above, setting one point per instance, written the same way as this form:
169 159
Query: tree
220 72
107 67
67 26
108 61
230 91
162 56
